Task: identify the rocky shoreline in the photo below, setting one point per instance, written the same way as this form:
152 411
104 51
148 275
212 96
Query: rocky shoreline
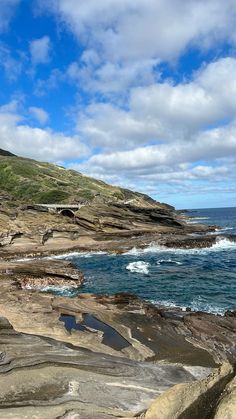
94 356
30 231
62 354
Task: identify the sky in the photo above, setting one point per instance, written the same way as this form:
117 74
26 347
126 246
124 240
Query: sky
138 93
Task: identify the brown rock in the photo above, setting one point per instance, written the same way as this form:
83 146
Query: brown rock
227 406
40 274
195 400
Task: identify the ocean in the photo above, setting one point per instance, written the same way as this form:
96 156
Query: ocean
202 279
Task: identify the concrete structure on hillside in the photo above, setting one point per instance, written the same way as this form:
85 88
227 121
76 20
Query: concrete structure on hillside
64 209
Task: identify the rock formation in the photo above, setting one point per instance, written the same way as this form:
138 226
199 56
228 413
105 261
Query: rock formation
99 356
195 400
44 378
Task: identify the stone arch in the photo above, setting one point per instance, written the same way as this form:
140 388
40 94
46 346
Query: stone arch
66 212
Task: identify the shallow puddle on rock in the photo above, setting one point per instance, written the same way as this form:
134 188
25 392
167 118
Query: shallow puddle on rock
70 323
110 336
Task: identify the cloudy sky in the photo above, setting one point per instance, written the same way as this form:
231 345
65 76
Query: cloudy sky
140 93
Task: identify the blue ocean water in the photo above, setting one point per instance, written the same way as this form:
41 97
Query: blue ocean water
203 279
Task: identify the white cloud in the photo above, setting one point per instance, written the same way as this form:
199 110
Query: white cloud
39 114
43 144
141 29
168 134
10 65
207 146
40 49
146 131
125 39
7 8
110 127
43 87
165 112
111 79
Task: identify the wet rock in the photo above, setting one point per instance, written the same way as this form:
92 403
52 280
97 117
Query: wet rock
113 226
216 333
230 313
44 378
41 274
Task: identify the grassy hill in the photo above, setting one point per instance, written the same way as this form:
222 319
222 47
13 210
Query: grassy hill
30 181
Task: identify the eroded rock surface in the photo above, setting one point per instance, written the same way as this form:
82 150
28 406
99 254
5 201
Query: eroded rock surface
153 333
104 226
43 378
43 274
96 356
226 408
196 400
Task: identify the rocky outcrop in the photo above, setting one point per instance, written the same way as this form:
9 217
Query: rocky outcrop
43 274
6 153
195 400
44 378
113 226
226 408
120 325
116 217
102 356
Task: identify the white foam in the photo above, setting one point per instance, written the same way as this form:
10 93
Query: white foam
168 262
75 254
138 267
151 248
200 218
222 244
197 304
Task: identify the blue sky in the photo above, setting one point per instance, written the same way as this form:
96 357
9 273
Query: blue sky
139 93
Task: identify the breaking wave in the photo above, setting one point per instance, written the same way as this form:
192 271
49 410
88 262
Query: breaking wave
195 220
168 262
222 244
138 267
197 304
69 255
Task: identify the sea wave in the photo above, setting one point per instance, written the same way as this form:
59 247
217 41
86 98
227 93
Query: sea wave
63 290
195 220
220 230
222 244
138 267
168 262
199 218
70 255
197 304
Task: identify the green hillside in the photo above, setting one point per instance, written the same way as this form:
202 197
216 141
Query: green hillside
30 181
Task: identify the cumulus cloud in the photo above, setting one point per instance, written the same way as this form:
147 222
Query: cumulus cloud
124 40
111 79
43 144
40 49
139 29
207 146
147 131
165 112
39 114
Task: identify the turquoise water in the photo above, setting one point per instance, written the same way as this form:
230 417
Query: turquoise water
203 279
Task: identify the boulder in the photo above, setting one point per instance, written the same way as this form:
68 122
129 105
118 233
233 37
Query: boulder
226 408
194 400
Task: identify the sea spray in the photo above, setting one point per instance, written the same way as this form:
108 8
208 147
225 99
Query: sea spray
138 267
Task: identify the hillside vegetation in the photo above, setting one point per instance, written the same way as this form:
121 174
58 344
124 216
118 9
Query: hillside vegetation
30 181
